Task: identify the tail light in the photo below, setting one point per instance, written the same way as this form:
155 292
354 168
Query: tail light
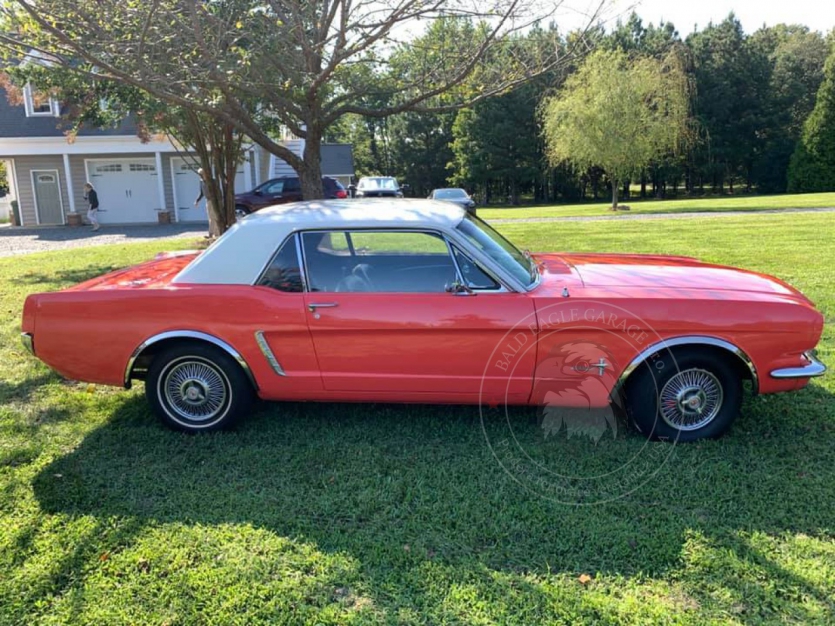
341 194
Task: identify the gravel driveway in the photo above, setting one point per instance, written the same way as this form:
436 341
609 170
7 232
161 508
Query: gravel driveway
15 241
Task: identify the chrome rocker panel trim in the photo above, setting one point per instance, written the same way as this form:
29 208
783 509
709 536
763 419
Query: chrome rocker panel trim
695 340
268 353
28 342
187 334
813 369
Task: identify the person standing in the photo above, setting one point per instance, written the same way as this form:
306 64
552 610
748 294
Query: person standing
92 199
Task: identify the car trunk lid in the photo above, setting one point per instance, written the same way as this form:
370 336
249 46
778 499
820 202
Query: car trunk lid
154 274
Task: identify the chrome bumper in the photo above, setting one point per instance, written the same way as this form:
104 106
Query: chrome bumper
812 369
28 342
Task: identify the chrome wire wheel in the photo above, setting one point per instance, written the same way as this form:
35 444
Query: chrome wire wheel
195 390
691 399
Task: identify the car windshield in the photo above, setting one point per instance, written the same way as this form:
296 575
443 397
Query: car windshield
485 238
378 183
450 194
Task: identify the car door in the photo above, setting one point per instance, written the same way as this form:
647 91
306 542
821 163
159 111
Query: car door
270 193
388 322
292 190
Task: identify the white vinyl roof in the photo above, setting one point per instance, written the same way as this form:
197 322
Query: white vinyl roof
239 256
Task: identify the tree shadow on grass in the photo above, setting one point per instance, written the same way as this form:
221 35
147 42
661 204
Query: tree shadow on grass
405 488
65 278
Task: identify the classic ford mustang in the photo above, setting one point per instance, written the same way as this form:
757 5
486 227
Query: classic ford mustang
417 301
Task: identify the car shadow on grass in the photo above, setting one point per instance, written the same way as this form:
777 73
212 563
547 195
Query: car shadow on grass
405 490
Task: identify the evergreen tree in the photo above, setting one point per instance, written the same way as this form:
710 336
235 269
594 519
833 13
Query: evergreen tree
813 163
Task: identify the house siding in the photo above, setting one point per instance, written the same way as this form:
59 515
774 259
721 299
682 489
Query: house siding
26 196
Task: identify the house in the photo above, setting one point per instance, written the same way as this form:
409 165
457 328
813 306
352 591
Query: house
134 180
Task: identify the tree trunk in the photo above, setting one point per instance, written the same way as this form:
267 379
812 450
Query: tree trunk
310 173
614 194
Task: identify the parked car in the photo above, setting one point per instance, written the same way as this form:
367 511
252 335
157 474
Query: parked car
419 301
282 191
457 196
379 187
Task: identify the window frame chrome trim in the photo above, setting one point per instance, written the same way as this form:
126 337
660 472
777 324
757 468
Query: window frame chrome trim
187 334
444 235
502 287
273 257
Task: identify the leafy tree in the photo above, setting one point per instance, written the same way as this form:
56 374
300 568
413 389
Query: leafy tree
618 114
302 65
813 163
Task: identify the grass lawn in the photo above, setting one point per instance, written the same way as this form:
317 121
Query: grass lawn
343 514
709 204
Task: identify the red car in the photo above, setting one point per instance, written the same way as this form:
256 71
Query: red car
418 301
283 190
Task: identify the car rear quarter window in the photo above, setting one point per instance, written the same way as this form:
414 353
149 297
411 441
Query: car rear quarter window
283 272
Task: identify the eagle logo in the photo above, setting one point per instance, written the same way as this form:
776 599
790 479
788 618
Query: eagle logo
573 388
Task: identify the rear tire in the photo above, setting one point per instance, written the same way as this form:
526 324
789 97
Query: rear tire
684 397
241 210
195 387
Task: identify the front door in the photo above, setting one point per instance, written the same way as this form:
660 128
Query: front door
386 318
47 189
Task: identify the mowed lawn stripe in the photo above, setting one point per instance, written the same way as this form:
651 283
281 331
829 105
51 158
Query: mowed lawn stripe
707 204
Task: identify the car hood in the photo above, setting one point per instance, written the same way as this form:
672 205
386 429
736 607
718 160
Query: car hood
642 271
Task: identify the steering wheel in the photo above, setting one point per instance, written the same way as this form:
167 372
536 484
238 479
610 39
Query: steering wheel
357 281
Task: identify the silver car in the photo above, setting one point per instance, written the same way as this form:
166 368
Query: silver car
455 195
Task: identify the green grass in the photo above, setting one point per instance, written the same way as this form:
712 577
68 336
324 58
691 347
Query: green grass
352 514
694 205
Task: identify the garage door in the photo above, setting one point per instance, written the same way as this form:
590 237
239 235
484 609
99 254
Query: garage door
127 190
187 188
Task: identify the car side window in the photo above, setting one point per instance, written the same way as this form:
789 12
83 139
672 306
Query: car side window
474 277
292 184
378 262
283 272
274 188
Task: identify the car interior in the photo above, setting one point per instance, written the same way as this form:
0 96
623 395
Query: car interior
387 262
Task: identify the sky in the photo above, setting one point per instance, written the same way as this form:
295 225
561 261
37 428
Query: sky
817 14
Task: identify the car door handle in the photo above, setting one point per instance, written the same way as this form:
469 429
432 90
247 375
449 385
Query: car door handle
320 305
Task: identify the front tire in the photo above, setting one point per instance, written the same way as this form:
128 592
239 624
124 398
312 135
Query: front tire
197 388
684 397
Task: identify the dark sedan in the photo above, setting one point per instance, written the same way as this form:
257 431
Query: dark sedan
457 196
281 191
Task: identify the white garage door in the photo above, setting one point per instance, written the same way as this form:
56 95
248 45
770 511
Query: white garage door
127 190
187 188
